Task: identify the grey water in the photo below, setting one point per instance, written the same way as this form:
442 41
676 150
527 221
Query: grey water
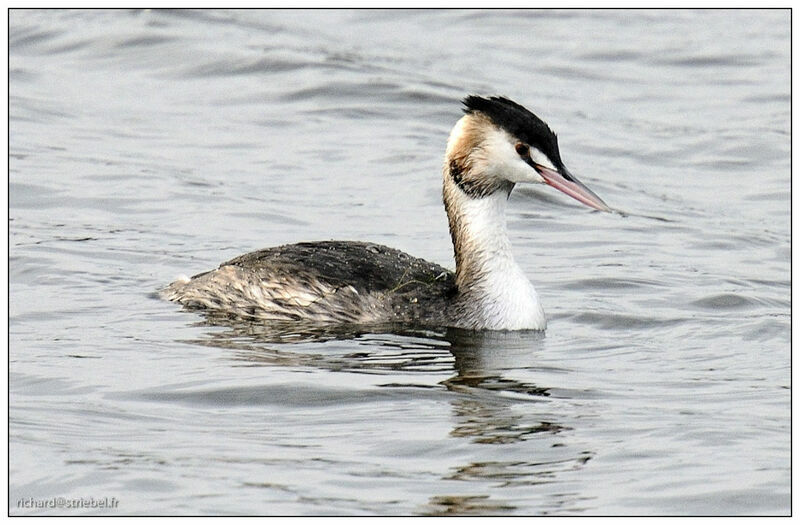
148 144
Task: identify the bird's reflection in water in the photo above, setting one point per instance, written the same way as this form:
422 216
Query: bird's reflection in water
482 363
374 348
472 505
482 358
506 411
490 406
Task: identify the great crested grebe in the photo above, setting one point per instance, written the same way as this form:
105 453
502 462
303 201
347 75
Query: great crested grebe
495 145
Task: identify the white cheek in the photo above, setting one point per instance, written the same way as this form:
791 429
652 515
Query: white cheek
502 160
517 170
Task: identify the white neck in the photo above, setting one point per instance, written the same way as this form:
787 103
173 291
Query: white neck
493 286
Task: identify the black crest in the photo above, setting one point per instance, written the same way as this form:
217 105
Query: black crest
517 121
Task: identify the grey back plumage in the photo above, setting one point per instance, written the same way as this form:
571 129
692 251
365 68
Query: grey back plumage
328 281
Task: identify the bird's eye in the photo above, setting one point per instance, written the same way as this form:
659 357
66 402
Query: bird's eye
523 150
